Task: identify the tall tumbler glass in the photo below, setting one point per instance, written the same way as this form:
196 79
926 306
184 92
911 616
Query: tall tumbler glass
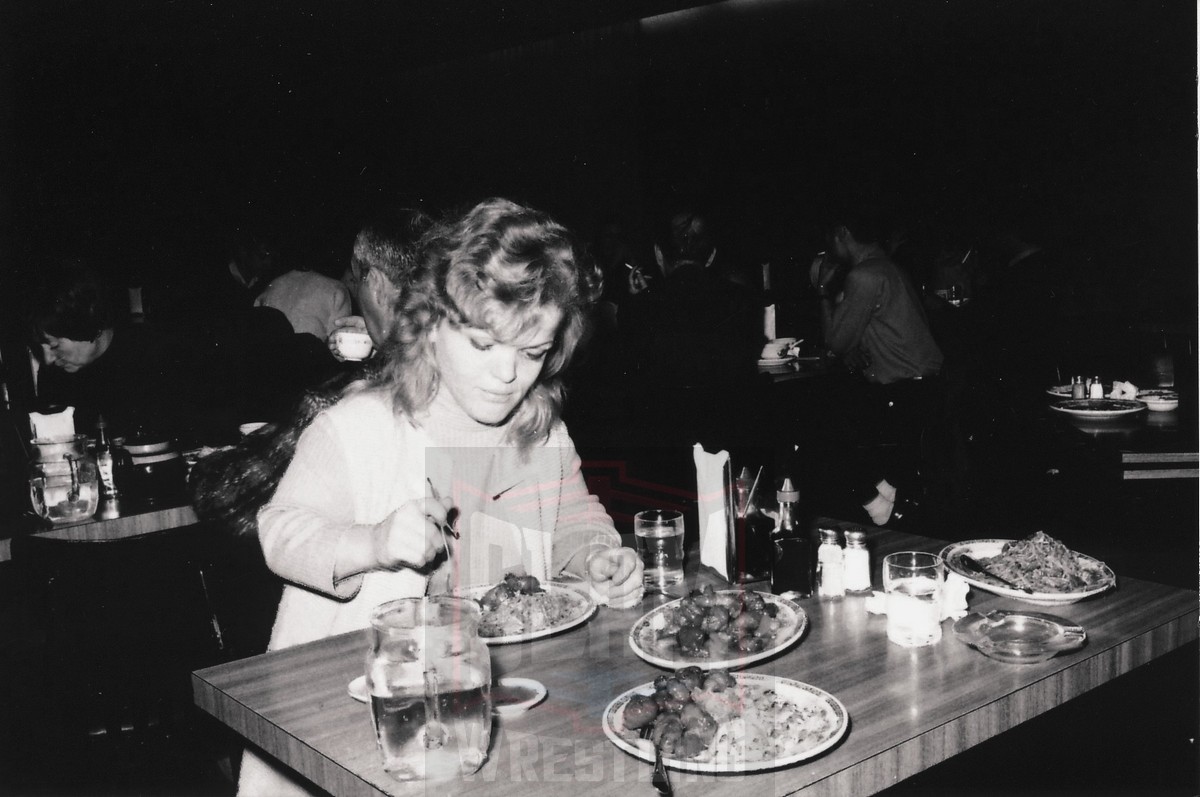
913 582
659 537
429 675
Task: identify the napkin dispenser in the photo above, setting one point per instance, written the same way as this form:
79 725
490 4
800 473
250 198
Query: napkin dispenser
714 491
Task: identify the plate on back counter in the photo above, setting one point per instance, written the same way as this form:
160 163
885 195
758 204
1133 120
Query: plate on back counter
1098 408
772 362
651 640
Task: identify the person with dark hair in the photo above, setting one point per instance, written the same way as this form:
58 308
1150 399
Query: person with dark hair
466 407
383 258
130 374
873 322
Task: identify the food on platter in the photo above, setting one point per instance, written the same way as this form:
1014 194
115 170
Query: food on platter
1043 564
519 605
716 717
711 624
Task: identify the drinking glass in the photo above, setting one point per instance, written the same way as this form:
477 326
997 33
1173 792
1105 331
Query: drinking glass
429 675
913 583
659 537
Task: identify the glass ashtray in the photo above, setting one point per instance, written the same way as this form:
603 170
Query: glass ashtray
1019 637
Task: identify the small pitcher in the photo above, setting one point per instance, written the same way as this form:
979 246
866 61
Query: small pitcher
63 480
429 675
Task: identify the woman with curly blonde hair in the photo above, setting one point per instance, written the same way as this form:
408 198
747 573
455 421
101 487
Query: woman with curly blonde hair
461 430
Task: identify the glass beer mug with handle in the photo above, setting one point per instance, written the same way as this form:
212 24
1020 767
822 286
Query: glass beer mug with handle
429 675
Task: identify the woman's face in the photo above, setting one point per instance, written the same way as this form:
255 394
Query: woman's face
487 377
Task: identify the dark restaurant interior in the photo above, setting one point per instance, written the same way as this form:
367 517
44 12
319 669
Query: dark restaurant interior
146 136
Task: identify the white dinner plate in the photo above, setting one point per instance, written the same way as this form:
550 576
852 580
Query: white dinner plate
1019 637
1099 408
643 637
986 549
510 696
770 362
582 609
824 717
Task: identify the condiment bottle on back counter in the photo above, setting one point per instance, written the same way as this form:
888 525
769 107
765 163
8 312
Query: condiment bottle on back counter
105 462
793 555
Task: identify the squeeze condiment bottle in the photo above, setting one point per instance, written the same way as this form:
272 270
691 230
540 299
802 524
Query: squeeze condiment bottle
830 566
858 562
793 555
105 460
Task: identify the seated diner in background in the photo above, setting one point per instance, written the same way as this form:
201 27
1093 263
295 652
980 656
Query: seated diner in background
872 319
382 260
452 468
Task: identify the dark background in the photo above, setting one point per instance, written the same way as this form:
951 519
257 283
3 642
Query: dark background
141 132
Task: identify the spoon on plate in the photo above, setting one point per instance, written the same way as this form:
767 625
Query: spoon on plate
971 564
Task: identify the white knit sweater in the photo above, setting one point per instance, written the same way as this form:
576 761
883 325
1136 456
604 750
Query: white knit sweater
360 460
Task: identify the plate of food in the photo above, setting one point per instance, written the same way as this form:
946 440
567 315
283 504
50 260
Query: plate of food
1055 574
717 628
1019 637
773 362
721 722
1099 408
521 609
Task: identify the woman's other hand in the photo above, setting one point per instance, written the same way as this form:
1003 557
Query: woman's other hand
617 574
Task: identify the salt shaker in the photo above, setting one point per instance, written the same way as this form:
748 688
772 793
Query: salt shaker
830 566
857 562
1096 391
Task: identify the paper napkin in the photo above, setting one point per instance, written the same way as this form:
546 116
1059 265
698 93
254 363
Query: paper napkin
954 599
55 427
716 515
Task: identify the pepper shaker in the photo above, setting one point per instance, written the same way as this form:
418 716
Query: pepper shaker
858 562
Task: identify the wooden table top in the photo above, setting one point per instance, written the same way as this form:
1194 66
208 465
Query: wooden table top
130 520
909 708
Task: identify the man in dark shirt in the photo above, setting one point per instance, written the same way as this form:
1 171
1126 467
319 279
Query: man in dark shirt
132 375
874 323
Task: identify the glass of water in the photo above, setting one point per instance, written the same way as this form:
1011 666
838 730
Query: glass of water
913 583
659 538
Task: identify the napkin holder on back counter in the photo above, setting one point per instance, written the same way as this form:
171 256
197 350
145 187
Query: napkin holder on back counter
714 490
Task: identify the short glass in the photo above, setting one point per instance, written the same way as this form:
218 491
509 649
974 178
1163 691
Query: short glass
913 581
429 675
658 534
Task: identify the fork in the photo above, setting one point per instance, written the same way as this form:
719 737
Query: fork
660 779
978 567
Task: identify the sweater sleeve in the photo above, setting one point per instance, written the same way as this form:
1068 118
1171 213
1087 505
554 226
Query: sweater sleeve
582 525
303 524
845 330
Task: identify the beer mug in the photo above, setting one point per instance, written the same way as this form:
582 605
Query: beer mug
429 675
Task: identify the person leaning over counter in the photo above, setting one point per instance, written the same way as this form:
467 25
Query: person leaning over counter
132 374
462 426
